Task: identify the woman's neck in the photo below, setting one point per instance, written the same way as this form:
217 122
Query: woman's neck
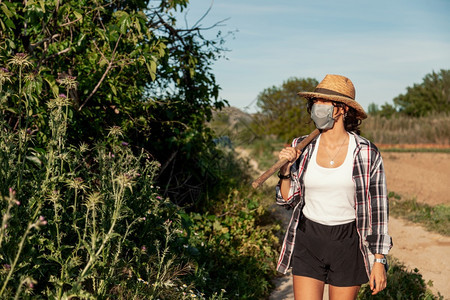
334 135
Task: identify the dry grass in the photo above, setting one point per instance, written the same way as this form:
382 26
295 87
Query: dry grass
434 129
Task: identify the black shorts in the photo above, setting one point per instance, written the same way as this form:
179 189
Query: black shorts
329 253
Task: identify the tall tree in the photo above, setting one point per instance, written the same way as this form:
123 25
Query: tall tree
432 95
283 113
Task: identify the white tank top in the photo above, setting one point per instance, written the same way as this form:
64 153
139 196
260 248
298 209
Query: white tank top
330 192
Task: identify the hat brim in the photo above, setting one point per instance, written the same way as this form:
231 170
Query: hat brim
361 114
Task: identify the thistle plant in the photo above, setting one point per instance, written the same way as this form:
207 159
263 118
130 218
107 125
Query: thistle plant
5 76
77 212
78 185
19 62
11 202
37 224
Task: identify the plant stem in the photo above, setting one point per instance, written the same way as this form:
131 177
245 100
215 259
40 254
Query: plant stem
19 158
13 265
5 218
116 214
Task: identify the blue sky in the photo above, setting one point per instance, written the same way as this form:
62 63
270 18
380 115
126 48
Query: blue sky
383 46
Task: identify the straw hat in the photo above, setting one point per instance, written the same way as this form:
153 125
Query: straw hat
337 88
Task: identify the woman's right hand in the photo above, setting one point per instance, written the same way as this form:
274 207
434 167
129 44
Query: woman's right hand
291 154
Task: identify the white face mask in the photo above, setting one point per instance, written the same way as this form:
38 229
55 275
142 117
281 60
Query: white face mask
322 115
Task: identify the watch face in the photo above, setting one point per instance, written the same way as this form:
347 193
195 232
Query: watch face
381 260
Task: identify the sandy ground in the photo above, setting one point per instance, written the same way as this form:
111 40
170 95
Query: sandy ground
425 176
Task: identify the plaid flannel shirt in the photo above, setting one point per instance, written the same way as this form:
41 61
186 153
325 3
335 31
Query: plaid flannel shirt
371 202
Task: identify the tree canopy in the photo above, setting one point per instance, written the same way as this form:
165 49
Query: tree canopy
432 95
129 65
282 112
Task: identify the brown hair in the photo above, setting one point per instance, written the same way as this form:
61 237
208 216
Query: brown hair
351 120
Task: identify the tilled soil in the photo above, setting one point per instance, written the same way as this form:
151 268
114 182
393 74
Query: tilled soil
425 176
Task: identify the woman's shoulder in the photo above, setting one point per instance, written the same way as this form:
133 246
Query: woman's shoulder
297 140
365 143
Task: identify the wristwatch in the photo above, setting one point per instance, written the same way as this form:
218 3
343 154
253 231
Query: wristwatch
381 260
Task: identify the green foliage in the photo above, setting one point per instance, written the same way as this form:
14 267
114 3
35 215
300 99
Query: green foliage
73 223
133 67
235 248
430 96
77 220
283 113
434 218
402 284
88 221
385 111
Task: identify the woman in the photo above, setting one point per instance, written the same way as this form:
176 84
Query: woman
336 186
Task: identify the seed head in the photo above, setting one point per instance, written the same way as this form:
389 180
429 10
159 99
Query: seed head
84 147
20 60
76 184
64 156
31 76
125 180
93 200
54 196
60 101
115 131
5 75
67 81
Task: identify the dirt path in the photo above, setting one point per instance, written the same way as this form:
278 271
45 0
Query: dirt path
425 176
424 250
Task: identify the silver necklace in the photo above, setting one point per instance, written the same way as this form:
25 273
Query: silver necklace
332 158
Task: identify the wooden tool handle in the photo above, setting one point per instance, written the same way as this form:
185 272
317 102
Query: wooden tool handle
264 176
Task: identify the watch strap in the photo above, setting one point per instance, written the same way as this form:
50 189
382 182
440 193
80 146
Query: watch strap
281 176
381 260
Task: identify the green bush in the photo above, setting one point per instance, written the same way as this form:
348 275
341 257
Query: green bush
234 250
88 221
402 284
134 66
85 221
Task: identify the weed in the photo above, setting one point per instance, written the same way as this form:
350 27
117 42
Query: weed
402 284
434 218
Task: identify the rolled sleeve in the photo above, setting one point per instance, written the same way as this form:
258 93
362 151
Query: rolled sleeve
295 187
293 195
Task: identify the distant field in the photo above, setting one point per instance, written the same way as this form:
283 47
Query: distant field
414 148
425 132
